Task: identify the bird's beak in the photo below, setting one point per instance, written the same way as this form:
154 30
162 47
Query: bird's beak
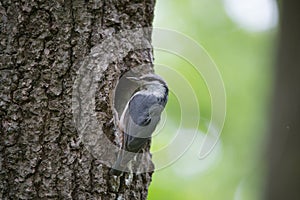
135 79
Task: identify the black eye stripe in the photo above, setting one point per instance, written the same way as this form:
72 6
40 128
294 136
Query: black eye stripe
149 79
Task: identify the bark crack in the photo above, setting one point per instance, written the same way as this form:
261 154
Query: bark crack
71 51
103 13
73 24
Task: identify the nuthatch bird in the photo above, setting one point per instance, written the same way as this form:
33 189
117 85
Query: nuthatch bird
140 117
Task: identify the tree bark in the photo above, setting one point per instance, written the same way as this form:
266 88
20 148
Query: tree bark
283 181
43 47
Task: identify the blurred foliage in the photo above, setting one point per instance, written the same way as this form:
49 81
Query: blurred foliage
235 169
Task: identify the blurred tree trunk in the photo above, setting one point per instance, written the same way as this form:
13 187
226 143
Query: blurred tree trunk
42 44
284 160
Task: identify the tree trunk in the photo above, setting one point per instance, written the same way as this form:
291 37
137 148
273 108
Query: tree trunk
51 53
284 161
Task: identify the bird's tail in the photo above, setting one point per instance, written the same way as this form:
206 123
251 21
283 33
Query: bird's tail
120 166
116 168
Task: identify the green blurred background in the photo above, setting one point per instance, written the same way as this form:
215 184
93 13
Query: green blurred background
243 52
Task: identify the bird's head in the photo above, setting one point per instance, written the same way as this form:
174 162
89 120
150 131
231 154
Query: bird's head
148 79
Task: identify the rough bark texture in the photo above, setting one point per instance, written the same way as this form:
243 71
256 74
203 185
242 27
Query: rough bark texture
284 161
42 44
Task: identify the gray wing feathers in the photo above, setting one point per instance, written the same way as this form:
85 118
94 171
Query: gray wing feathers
142 118
139 107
